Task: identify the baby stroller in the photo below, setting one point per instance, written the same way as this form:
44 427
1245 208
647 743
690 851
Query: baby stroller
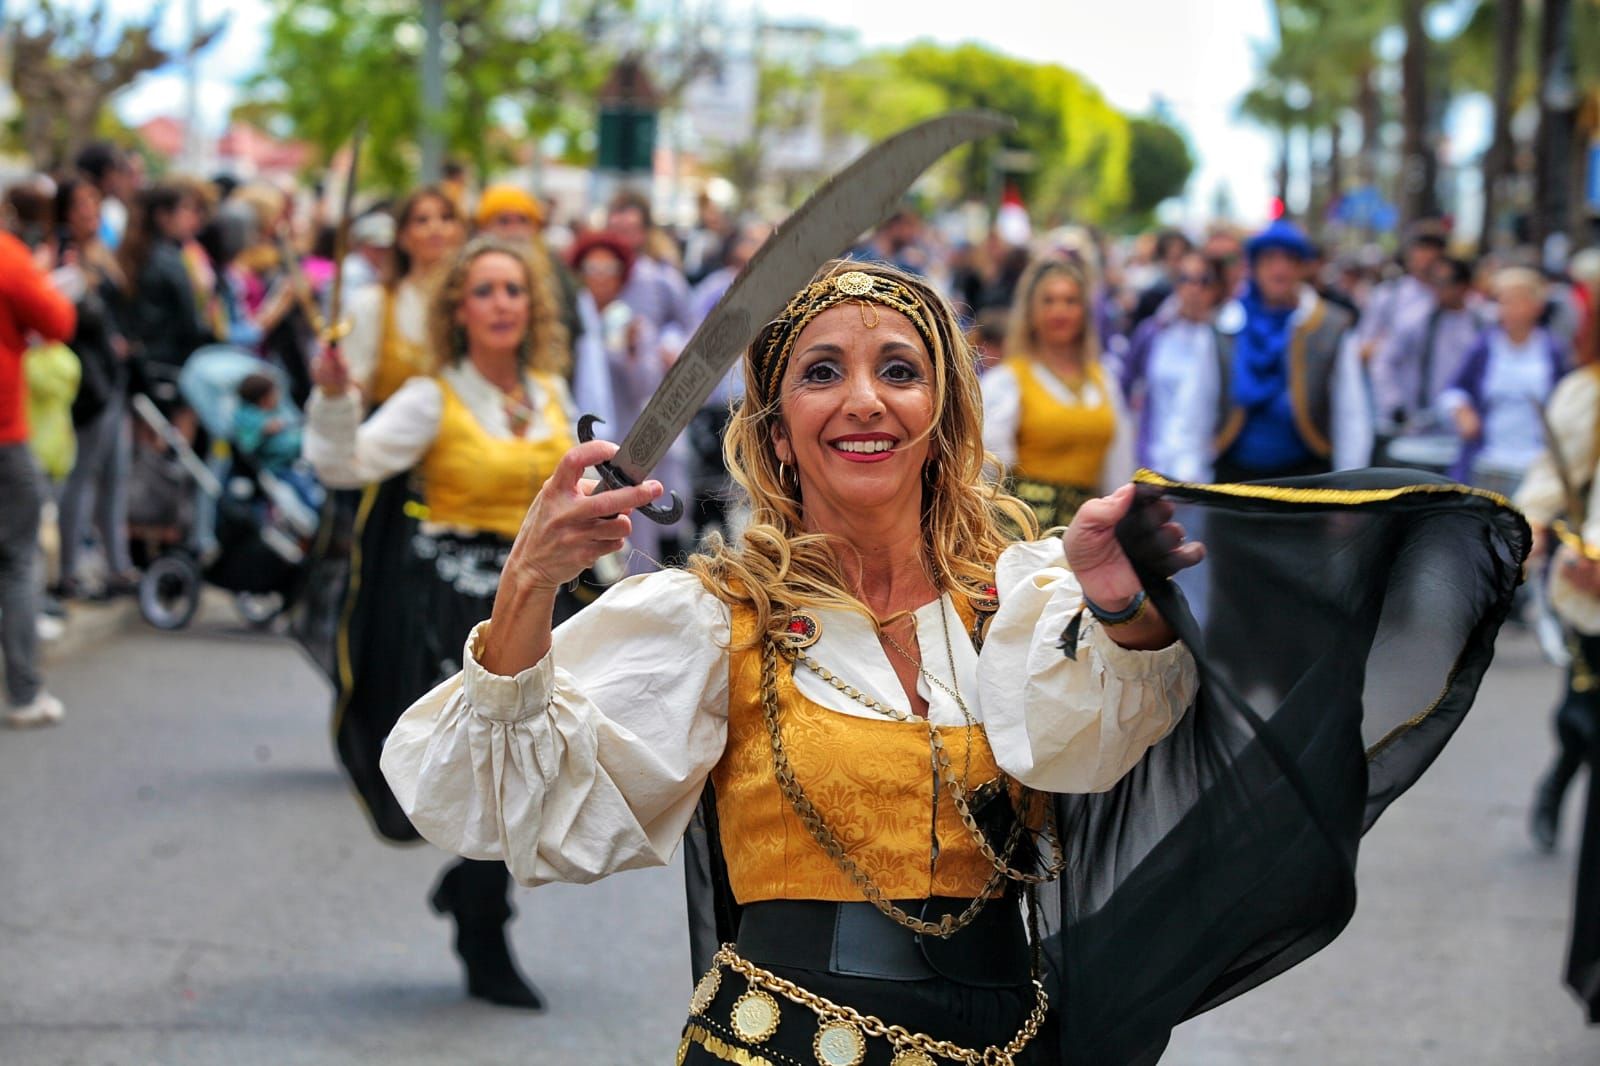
224 523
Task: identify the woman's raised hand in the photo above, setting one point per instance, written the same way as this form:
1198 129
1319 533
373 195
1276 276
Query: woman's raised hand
330 372
1096 557
567 529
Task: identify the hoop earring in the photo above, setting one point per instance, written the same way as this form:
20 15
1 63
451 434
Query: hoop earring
783 474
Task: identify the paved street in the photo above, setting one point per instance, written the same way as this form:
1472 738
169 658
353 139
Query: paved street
186 880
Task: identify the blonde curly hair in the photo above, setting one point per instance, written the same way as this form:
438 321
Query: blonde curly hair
777 567
544 347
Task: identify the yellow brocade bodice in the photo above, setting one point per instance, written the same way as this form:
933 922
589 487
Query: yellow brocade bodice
399 358
871 779
1061 443
472 480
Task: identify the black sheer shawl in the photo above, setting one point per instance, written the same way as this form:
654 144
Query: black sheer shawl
1344 625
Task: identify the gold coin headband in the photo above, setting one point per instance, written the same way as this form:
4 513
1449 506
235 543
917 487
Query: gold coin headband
818 297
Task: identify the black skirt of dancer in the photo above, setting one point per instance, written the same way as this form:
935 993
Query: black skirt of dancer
1052 504
1578 726
1350 619
384 644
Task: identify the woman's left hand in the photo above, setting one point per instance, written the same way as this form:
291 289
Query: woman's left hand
1096 558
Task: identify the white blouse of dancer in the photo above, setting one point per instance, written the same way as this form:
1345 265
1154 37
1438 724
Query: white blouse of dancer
348 453
592 760
1542 496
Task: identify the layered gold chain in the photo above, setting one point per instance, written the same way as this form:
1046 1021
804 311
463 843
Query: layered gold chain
958 790
902 1038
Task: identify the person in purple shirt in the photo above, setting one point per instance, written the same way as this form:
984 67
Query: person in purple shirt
1495 398
1409 373
1401 303
656 289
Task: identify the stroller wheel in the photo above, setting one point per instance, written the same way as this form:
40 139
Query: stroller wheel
169 592
259 608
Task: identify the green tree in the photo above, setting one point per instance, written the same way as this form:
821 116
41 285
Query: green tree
1080 145
67 64
1159 165
329 64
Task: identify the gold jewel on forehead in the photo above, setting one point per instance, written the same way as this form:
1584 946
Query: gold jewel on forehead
855 283
820 296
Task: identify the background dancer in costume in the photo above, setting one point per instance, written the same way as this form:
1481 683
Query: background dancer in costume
1052 414
1550 491
484 433
352 618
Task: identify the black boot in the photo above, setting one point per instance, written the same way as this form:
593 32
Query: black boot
1545 823
474 894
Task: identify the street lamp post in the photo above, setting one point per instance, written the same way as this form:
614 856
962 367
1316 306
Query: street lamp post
431 136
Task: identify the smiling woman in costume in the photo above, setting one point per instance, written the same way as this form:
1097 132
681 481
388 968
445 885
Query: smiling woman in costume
883 724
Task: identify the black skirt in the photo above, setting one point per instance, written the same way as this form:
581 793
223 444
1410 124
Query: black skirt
1578 721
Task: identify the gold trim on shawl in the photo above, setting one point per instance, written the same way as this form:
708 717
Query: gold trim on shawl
1285 494
1342 497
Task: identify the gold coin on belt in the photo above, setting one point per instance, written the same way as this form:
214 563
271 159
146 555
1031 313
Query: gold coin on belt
755 1016
705 991
839 1044
912 1057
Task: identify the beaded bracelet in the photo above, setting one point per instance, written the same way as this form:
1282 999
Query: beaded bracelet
1127 616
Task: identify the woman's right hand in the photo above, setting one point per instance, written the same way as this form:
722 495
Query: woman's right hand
567 530
330 372
1468 424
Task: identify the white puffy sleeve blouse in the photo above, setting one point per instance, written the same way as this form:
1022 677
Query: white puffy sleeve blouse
592 760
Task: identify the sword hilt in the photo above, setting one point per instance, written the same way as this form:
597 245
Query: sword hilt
613 478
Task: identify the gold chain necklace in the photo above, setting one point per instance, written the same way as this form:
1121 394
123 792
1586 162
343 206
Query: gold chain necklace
953 693
1001 862
949 650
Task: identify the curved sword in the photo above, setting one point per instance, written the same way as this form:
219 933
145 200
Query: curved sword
851 202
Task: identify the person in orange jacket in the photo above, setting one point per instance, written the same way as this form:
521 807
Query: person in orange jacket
30 307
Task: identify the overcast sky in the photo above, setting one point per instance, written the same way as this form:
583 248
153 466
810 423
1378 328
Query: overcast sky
1197 57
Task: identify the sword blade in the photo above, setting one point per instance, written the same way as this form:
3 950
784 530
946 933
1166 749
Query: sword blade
341 236
850 203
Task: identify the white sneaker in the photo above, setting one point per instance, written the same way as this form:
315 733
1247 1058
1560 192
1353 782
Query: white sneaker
44 710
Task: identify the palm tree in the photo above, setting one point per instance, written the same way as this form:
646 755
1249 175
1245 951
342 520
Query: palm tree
1268 105
1419 172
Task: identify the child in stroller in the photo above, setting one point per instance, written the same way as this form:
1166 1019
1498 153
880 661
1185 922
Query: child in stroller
267 431
240 526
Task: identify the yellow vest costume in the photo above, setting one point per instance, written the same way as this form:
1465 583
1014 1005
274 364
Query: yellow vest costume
869 777
1061 447
399 359
472 480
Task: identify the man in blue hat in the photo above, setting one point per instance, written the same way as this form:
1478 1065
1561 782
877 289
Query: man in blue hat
1293 396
